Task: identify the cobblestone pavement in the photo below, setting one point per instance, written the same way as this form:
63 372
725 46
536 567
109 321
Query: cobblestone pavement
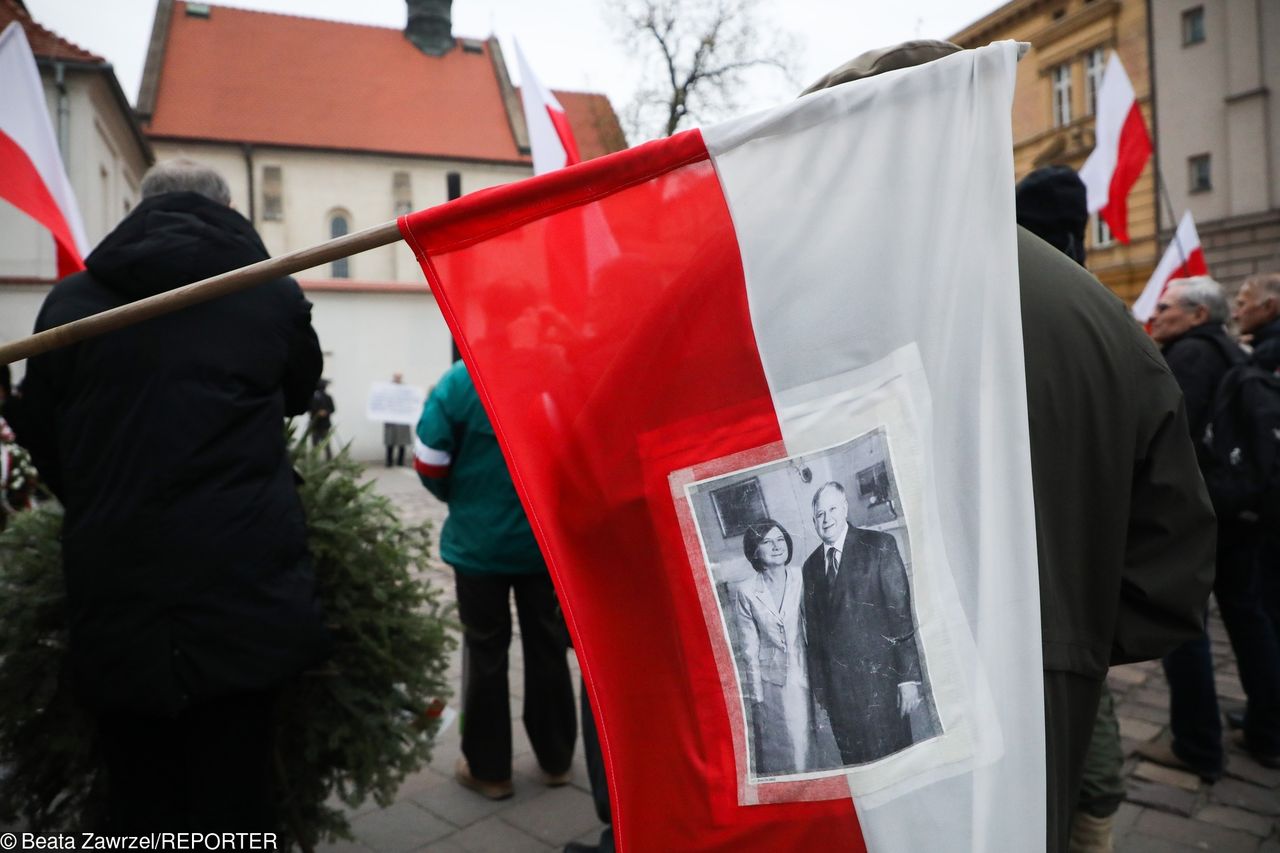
432 812
1167 811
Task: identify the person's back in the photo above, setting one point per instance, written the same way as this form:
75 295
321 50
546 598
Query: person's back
488 542
190 589
167 451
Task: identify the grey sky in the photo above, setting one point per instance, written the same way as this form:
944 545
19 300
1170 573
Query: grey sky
569 42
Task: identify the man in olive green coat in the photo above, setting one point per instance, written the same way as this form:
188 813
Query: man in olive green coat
1124 527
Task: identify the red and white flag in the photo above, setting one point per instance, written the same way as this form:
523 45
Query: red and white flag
1182 259
32 177
823 293
1120 152
551 139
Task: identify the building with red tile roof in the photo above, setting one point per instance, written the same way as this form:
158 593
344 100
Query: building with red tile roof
234 75
314 119
323 128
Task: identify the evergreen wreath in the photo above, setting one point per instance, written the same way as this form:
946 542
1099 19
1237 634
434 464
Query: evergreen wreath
352 730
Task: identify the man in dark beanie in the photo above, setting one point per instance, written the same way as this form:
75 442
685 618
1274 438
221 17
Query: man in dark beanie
190 591
1051 204
1124 528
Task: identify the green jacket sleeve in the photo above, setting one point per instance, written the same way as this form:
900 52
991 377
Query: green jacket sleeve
436 440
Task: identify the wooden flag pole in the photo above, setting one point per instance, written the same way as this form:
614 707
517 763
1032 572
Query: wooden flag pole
200 291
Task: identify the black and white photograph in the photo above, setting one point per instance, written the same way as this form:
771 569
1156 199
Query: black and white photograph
810 557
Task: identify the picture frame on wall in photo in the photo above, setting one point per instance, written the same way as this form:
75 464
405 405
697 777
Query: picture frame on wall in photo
737 505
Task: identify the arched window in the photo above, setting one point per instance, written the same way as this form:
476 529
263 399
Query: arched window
340 226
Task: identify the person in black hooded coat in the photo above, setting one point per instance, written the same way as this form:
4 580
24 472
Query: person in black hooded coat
191 594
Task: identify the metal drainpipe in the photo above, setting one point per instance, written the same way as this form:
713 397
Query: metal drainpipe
247 149
64 113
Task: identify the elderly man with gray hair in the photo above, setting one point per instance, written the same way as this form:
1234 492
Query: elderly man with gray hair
1257 313
190 591
1189 326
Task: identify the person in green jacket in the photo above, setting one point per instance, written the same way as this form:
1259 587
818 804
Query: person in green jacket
488 542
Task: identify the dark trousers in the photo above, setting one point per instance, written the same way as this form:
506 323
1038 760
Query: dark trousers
398 450
485 610
321 436
207 769
595 772
1193 701
1269 578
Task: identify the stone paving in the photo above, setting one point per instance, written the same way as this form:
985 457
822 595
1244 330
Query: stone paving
432 813
1167 811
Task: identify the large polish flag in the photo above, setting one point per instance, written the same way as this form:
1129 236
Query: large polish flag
823 292
551 139
1183 258
32 177
1120 152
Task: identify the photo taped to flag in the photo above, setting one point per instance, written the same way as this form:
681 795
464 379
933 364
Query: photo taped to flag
818 688
778 286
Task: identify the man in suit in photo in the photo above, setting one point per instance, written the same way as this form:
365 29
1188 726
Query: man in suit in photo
864 666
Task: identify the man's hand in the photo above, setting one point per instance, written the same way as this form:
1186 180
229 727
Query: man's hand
908 697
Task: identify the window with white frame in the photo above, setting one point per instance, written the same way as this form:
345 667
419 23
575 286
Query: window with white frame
1199 174
1094 63
339 226
272 194
1061 77
1100 232
1193 26
401 193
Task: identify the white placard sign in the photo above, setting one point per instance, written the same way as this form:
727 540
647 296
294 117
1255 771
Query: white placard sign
395 403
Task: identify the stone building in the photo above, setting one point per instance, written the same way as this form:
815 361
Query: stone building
1053 111
1217 132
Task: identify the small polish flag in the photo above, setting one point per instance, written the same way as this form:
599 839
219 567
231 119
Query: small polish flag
550 137
32 177
1182 259
1121 151
760 325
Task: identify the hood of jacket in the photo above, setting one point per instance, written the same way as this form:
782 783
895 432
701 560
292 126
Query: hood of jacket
170 240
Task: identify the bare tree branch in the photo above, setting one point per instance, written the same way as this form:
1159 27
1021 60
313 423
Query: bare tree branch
700 56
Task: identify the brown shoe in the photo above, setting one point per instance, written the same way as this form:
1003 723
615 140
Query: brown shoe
491 790
557 780
1161 752
1091 834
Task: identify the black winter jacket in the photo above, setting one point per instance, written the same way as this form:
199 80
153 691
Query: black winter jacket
184 544
1266 346
1198 359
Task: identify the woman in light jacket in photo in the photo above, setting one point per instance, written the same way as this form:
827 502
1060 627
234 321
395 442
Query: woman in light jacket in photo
768 609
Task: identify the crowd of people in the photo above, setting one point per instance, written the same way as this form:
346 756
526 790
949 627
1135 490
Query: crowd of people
192 598
1190 327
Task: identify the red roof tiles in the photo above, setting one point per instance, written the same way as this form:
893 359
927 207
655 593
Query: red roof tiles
45 44
244 76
